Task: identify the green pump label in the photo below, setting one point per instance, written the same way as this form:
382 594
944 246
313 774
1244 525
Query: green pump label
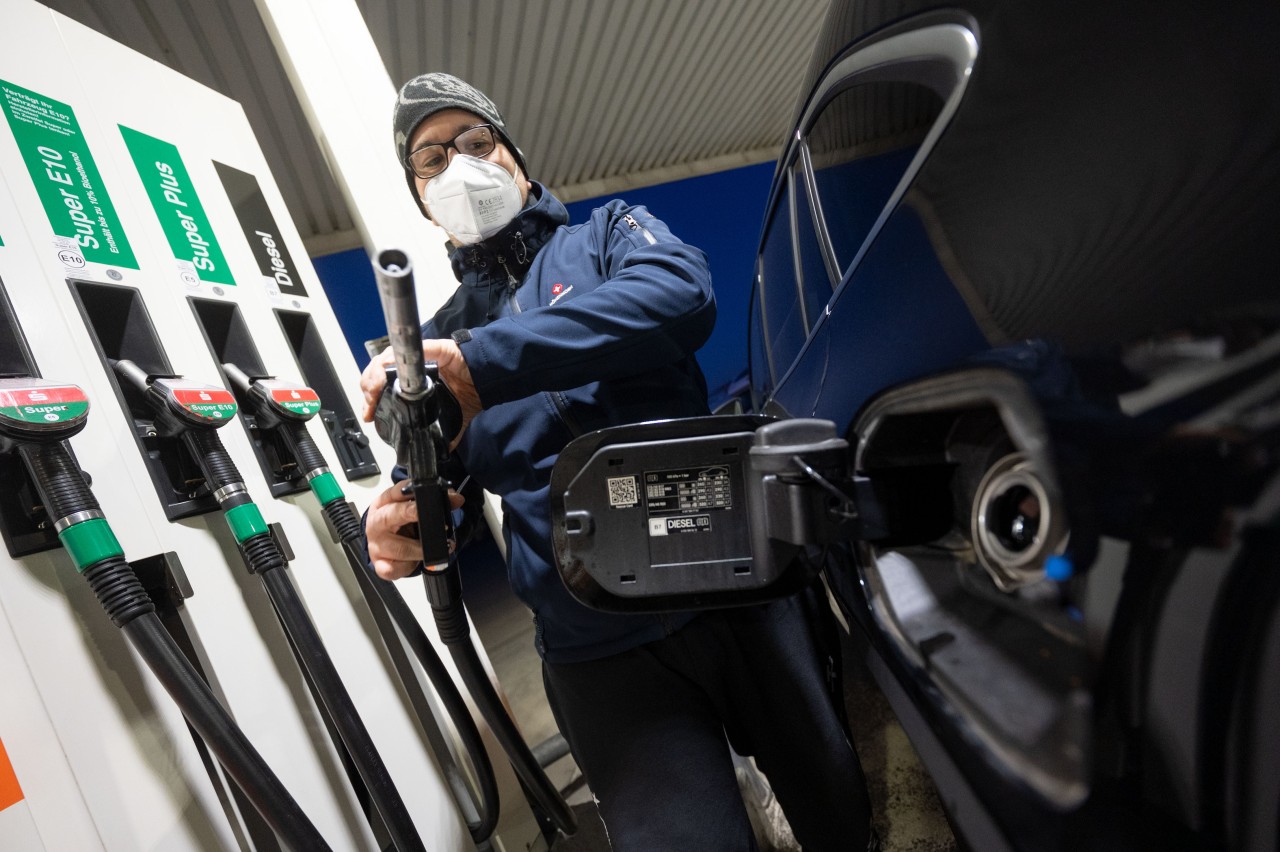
43 404
295 398
177 206
210 403
65 175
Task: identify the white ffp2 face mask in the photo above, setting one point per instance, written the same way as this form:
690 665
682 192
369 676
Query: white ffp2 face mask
472 199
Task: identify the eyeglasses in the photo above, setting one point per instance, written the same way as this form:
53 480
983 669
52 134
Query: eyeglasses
430 160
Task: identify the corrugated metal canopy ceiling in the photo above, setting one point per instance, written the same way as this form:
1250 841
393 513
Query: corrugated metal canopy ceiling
600 96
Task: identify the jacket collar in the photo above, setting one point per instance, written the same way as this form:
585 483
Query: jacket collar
515 246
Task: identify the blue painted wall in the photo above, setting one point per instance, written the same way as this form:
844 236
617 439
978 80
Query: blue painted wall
720 214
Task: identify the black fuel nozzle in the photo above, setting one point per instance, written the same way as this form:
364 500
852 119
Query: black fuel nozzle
178 405
284 408
36 417
412 427
419 417
193 412
38 411
273 401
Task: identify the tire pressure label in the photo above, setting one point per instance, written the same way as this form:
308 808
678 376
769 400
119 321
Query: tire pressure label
43 404
302 401
209 403
680 501
65 176
177 206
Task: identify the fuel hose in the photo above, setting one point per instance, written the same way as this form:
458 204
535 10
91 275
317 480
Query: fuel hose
263 557
193 413
285 409
88 538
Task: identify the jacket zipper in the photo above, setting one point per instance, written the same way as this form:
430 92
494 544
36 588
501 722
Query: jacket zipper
512 284
636 226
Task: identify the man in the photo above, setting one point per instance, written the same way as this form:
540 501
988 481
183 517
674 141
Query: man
555 331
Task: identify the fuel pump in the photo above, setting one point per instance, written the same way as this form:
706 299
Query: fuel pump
418 416
36 418
283 408
193 413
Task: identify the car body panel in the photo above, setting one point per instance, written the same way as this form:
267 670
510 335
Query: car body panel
1088 208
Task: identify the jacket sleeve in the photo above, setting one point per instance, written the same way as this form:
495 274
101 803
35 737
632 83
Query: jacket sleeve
655 307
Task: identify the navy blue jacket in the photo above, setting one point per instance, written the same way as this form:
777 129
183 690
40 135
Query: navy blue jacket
567 330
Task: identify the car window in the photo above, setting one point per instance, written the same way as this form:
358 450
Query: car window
783 314
860 145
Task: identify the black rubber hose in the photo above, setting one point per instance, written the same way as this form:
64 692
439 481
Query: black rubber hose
476 680
118 590
338 704
378 592
262 553
346 524
227 742
488 805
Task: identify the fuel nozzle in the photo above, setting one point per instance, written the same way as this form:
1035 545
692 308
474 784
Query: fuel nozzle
274 402
36 417
192 412
36 410
418 416
178 405
284 408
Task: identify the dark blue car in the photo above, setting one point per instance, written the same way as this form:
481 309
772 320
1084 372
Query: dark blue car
1024 255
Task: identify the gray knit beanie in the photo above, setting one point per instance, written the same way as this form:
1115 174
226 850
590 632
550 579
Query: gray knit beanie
427 94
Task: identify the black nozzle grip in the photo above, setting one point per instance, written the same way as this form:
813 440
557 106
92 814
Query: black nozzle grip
435 522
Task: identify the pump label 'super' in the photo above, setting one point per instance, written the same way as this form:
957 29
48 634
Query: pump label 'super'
43 404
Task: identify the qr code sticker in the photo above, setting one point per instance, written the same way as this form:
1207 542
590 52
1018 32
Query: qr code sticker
623 491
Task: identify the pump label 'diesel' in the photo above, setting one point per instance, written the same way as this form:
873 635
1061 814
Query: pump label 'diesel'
43 404
209 403
302 401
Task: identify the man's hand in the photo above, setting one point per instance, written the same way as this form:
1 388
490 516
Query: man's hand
453 371
394 555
